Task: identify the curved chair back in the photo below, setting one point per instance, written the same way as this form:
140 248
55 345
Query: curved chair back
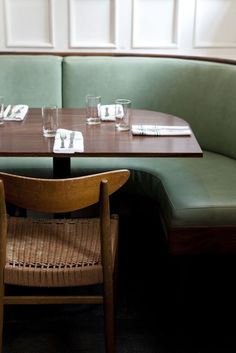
60 195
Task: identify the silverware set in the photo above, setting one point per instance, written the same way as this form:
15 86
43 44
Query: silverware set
64 136
12 111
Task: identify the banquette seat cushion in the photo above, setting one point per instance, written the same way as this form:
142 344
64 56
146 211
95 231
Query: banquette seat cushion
191 192
196 197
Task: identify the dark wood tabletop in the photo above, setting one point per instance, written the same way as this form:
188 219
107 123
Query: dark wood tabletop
25 138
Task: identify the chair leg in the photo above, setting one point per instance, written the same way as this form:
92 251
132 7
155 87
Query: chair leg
1 324
109 318
2 293
115 292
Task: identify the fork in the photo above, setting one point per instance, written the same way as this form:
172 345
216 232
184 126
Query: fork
63 137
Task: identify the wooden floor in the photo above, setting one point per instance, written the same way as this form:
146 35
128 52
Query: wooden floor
165 304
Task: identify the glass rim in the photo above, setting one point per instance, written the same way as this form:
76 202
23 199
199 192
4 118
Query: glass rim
44 107
122 100
93 96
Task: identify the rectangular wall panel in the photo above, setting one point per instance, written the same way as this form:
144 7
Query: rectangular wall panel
92 23
29 23
214 25
176 27
155 23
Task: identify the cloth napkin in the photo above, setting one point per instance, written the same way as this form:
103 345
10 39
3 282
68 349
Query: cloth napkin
17 112
108 112
160 130
73 141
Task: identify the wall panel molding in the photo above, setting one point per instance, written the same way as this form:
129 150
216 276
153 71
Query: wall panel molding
155 24
214 24
29 23
92 23
172 27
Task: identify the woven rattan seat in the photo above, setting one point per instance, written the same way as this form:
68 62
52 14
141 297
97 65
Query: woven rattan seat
60 252
49 253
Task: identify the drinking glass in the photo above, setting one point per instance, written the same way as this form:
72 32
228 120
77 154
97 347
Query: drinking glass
93 107
123 114
50 120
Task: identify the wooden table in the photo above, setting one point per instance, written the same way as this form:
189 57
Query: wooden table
26 139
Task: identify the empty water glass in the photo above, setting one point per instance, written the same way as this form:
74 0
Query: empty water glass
50 120
123 114
93 109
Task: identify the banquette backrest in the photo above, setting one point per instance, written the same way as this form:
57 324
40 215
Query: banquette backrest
201 92
34 80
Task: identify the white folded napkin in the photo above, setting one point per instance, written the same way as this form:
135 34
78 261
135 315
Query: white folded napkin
108 112
15 113
160 130
73 141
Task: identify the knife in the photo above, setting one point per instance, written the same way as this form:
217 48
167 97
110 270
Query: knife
7 111
72 135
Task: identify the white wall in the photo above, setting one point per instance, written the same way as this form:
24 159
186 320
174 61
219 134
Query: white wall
188 27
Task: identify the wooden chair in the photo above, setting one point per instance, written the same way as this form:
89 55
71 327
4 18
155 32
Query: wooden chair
60 252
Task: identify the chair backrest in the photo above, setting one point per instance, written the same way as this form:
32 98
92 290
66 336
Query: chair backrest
59 195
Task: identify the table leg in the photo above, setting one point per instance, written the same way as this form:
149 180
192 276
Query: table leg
61 167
